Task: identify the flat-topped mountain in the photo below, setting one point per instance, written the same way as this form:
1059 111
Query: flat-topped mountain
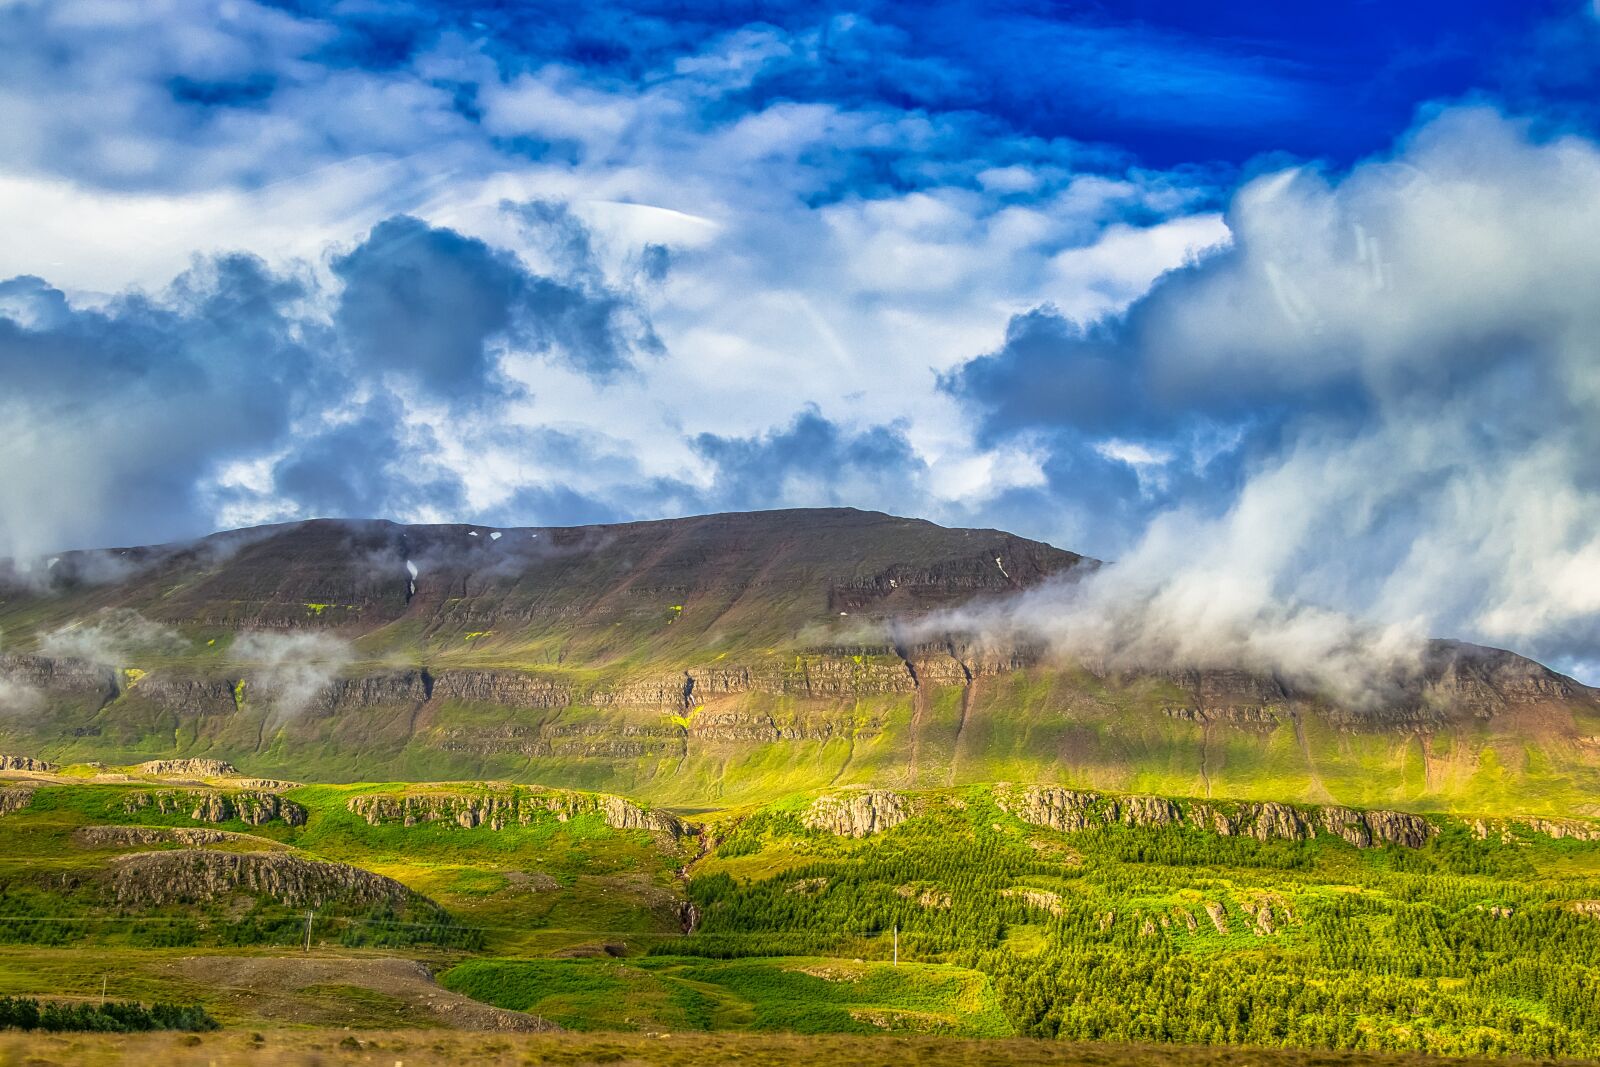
750 579
723 657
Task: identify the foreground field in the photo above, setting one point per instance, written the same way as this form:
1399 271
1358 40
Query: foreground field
1014 911
429 1048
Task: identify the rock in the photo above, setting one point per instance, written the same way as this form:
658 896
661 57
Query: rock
1071 811
1035 898
1272 821
26 763
1219 916
157 879
188 768
1150 811
1399 828
187 836
265 785
925 897
1565 828
857 814
1347 824
497 809
15 799
253 807
1067 810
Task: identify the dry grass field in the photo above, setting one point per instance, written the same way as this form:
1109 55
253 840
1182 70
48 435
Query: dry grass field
429 1048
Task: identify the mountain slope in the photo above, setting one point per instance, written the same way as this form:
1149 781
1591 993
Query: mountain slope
711 660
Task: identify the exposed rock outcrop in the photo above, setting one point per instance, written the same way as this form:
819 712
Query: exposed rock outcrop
1072 811
1042 899
14 799
67 677
188 768
26 763
1393 828
155 879
1150 811
1067 810
857 814
187 836
250 806
1508 830
498 809
266 785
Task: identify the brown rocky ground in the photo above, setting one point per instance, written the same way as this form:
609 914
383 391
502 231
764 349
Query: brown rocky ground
284 989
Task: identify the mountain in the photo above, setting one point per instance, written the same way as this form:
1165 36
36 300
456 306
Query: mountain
711 661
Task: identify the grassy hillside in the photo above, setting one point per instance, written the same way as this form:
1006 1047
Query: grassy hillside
1482 939
711 662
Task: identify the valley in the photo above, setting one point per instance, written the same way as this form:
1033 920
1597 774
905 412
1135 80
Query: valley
725 776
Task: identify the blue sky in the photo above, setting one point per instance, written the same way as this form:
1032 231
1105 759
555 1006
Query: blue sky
1294 297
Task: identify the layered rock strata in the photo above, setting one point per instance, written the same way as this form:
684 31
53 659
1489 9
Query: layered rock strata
512 807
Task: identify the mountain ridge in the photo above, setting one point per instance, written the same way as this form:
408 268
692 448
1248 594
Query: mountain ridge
734 654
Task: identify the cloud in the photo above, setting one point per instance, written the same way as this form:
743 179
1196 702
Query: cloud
232 390
130 405
16 696
813 462
437 306
116 637
289 671
1406 354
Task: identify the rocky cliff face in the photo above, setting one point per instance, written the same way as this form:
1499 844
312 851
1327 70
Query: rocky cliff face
158 879
187 836
1072 811
1458 683
251 806
857 813
14 799
188 768
499 809
1508 830
61 677
26 763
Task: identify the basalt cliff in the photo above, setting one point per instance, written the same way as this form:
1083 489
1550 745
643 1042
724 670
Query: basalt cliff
716 659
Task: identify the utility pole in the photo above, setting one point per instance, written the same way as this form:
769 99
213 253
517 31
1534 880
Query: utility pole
897 944
310 914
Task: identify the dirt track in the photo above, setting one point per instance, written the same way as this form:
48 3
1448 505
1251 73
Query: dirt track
286 988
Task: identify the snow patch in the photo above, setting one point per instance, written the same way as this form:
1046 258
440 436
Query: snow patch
495 536
1002 566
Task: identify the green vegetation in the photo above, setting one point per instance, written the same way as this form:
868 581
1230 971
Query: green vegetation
26 1013
1484 940
1465 946
801 995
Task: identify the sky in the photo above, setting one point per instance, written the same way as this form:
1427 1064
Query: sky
1272 304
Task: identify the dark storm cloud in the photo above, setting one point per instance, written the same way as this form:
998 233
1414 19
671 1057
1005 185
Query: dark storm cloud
432 304
374 463
115 415
426 302
120 418
814 462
